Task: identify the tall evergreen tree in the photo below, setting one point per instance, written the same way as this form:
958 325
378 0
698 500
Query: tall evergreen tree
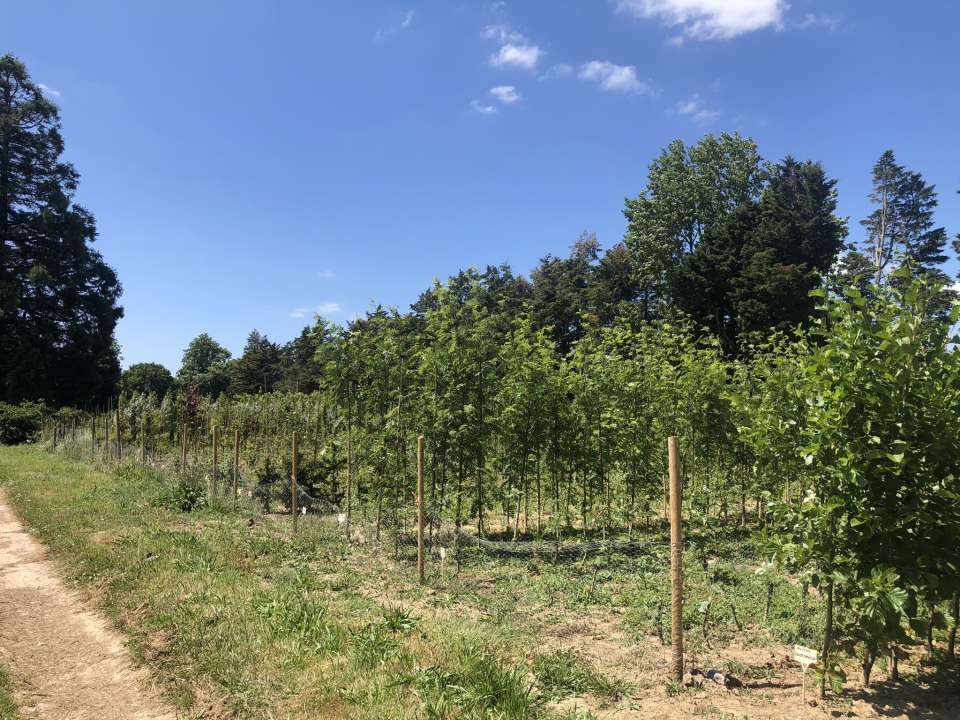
561 291
753 271
259 368
58 299
901 226
300 371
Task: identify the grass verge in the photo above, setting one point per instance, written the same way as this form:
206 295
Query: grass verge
237 617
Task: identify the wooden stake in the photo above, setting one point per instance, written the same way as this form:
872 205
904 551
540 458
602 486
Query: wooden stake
143 441
106 436
236 466
119 434
183 448
349 475
421 573
215 475
293 483
93 437
676 559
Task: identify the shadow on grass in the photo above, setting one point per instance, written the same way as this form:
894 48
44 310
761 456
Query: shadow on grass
934 694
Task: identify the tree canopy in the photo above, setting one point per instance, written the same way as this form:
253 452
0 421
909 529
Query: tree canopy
146 379
58 298
205 366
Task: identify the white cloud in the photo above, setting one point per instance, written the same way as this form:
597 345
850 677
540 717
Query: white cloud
482 108
516 50
557 72
525 57
694 108
47 90
710 19
614 78
406 19
812 21
325 309
507 94
326 274
503 34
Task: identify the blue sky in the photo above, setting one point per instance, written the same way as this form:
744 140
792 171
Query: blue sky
252 162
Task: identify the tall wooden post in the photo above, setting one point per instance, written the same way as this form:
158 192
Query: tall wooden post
421 573
143 441
183 448
215 475
93 437
349 475
106 436
676 559
119 434
236 466
293 483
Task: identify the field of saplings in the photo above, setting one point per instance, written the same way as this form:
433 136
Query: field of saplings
820 476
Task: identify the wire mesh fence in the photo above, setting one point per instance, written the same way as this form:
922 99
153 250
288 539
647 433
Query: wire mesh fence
564 557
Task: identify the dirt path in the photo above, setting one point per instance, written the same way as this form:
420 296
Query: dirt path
70 664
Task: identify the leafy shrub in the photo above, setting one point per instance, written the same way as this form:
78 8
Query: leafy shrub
19 423
269 480
187 495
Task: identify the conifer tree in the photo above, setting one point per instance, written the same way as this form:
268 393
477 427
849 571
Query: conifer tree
58 298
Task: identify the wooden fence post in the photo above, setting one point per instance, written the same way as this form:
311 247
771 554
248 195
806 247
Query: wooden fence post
106 436
236 466
421 572
183 448
215 475
676 559
349 475
119 435
293 483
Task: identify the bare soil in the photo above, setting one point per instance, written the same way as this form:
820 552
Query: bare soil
66 662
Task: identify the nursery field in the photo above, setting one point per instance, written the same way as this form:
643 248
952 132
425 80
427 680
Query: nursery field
236 613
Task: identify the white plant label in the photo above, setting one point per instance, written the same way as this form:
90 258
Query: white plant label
804 655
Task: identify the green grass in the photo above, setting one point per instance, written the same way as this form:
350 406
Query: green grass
238 617
8 709
252 621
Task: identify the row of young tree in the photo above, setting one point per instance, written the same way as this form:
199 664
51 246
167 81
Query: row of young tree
840 442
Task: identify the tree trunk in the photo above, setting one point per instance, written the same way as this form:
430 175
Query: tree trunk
827 638
868 659
955 612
